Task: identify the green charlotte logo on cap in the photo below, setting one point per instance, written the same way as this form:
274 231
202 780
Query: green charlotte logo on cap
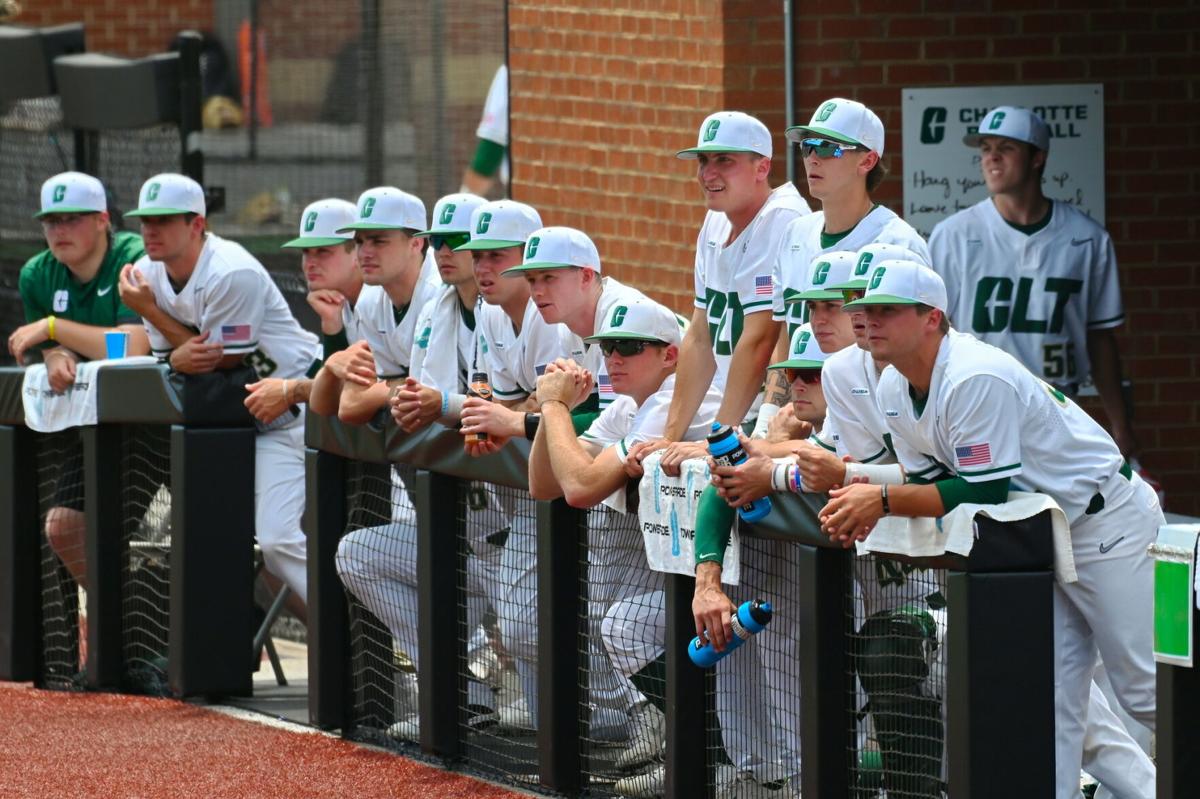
485 221
618 317
60 191
826 111
367 207
864 263
877 278
310 221
447 214
531 249
802 343
710 130
821 273
152 192
997 120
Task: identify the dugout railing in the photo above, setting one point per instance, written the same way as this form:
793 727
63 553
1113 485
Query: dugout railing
998 633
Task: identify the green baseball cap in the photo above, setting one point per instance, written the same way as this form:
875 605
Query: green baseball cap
169 194
803 351
320 222
897 282
558 248
824 271
501 224
452 214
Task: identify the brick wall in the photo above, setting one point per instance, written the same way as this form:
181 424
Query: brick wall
123 27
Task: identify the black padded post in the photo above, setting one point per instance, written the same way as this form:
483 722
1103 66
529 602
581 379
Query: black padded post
826 737
561 537
191 105
103 92
27 57
20 557
328 627
690 773
212 561
1178 745
106 552
441 615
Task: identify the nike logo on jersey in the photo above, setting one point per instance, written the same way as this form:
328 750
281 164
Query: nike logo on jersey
712 245
1104 550
860 392
1077 242
892 414
102 292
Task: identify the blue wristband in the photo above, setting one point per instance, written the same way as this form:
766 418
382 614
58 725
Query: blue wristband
445 402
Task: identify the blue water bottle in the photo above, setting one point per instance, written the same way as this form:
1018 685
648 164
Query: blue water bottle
750 618
726 450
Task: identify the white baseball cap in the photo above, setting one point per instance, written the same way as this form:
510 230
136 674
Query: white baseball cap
558 248
640 320
804 352
452 214
730 132
873 253
897 282
1012 123
320 222
501 224
388 208
842 120
168 194
826 270
72 193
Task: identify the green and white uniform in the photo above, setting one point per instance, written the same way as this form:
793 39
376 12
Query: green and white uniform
1033 294
514 360
588 355
391 331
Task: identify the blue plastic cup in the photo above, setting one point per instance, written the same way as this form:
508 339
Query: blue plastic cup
116 342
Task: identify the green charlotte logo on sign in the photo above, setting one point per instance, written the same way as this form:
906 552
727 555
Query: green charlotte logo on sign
447 214
60 191
864 263
802 343
485 220
531 248
997 120
310 221
618 317
821 273
877 277
367 207
933 125
152 192
826 111
710 130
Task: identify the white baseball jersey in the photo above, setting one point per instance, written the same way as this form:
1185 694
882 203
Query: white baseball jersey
802 243
439 360
351 324
734 279
1035 296
390 330
624 423
514 360
493 125
588 355
986 417
231 297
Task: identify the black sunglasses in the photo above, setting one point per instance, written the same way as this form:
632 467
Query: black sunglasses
807 375
824 148
451 240
625 347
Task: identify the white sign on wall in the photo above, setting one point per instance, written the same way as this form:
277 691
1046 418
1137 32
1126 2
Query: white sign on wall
941 174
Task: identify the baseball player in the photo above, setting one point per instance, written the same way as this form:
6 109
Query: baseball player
67 293
215 287
490 161
334 283
992 425
354 383
640 345
1034 276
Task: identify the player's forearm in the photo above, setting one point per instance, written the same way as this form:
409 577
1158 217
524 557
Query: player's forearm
582 484
88 340
542 483
778 391
358 403
1105 359
747 369
298 391
915 500
174 332
693 376
324 393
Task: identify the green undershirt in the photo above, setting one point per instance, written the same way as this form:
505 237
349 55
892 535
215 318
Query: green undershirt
1029 230
488 156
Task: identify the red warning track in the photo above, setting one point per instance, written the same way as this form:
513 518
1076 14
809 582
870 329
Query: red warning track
66 745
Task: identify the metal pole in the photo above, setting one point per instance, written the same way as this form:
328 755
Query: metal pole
372 77
191 100
440 131
789 85
253 130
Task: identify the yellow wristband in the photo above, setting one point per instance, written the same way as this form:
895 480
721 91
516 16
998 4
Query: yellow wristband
50 327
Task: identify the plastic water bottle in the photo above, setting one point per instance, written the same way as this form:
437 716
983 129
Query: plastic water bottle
751 618
726 450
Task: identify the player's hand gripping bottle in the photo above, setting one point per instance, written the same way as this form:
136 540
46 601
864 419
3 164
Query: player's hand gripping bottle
479 388
751 618
726 450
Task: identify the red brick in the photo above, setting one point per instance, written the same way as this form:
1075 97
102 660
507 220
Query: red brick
921 26
991 25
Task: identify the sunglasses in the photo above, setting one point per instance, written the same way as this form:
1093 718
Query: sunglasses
807 375
625 347
452 240
824 148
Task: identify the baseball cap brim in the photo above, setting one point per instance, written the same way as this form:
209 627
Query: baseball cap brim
883 299
369 226
797 363
823 294
614 335
694 152
975 139
160 212
315 241
66 210
798 132
534 266
489 244
850 285
423 233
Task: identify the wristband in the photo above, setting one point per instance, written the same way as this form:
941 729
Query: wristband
50 328
766 412
445 402
883 497
452 405
795 482
779 476
532 420
874 474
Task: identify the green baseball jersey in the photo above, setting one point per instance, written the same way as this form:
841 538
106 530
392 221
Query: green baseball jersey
49 288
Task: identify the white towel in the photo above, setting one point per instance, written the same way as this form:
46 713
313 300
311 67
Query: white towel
956 531
48 412
435 360
667 511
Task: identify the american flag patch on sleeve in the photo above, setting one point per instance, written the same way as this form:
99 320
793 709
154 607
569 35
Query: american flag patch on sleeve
974 455
604 384
232 334
763 286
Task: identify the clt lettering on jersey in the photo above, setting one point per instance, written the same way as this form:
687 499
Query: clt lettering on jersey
996 309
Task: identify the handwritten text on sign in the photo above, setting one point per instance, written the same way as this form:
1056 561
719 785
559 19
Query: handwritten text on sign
942 175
